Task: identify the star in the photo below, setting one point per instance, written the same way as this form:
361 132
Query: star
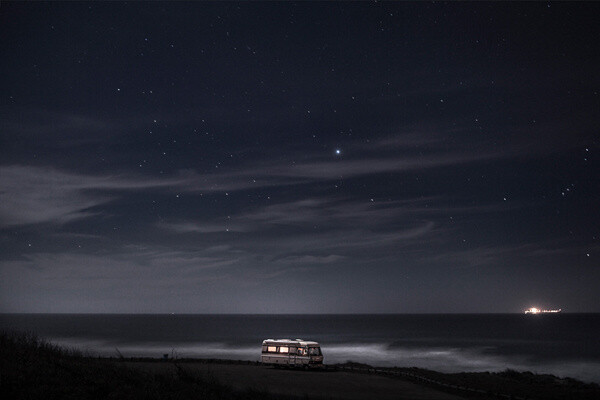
338 152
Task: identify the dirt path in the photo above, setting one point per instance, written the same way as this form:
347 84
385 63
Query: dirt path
315 384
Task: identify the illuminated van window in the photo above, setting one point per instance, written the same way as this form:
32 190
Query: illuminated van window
272 349
284 349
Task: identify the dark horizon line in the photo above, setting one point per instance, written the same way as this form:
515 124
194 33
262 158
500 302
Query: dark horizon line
292 314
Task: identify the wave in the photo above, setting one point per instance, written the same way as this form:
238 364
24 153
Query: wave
451 360
443 359
97 347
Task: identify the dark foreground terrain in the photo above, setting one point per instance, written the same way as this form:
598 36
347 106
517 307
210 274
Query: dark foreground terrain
33 369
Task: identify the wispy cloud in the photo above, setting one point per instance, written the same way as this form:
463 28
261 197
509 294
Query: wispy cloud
475 257
44 194
198 227
62 129
507 255
314 232
125 262
311 259
324 214
31 195
328 170
150 278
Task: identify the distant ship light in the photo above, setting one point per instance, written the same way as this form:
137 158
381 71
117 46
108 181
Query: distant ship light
534 310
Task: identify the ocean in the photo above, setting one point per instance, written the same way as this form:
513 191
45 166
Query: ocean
566 345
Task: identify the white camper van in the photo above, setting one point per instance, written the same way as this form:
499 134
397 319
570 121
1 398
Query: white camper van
291 353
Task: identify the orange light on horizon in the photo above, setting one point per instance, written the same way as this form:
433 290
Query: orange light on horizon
535 310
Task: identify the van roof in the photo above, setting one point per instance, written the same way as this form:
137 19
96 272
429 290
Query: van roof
298 342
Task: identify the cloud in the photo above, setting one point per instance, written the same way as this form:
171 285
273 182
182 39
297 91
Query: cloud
329 170
357 243
131 278
40 124
312 233
485 256
326 215
317 169
311 259
125 262
317 230
31 195
333 213
305 211
197 227
63 130
407 140
477 257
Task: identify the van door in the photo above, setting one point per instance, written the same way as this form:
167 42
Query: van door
293 355
301 357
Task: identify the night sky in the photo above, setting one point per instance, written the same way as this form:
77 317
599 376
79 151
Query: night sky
299 157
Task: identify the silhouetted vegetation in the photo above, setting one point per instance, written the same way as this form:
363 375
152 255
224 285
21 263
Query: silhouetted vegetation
31 368
525 385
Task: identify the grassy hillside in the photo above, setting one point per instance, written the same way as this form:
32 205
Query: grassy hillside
506 384
521 385
491 385
31 368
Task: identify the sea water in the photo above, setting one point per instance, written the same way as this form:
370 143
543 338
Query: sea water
560 344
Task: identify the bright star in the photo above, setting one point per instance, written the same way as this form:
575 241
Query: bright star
338 151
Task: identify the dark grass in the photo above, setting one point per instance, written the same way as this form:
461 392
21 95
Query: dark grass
31 368
509 383
514 384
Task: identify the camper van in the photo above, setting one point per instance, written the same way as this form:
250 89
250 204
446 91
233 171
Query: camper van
291 353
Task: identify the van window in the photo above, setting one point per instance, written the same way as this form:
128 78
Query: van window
283 349
314 351
272 349
293 350
264 349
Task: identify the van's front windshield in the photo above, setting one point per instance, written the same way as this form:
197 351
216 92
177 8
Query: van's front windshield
314 351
